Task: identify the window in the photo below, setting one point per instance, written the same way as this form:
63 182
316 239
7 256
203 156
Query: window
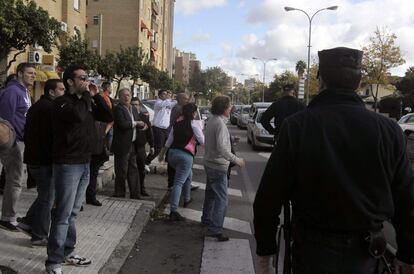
96 19
95 43
76 4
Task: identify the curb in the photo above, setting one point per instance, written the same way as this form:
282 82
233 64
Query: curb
122 250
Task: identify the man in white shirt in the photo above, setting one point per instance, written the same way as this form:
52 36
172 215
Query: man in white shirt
161 123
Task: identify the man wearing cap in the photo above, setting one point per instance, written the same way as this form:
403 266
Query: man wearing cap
280 110
345 170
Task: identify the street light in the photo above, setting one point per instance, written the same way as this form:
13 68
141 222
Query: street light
251 76
309 43
264 71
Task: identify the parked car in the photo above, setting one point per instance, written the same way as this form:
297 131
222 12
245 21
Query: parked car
243 117
407 123
235 112
258 105
257 136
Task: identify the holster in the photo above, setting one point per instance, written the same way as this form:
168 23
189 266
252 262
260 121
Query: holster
376 243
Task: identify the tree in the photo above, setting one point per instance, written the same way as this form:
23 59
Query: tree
23 23
379 57
74 50
215 79
406 84
275 87
196 82
300 68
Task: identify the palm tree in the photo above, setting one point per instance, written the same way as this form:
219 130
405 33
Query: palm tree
300 68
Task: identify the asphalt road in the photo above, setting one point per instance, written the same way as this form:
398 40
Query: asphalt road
168 247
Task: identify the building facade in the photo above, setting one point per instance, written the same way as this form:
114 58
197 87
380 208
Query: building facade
184 65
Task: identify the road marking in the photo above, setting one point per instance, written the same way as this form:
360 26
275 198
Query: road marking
229 257
201 167
229 223
265 154
230 191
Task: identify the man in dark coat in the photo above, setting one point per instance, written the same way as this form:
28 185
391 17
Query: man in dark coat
345 170
144 136
280 110
126 125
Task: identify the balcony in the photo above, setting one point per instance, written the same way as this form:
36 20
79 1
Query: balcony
154 25
155 7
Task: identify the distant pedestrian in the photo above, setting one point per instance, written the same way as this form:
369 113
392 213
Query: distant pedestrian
144 137
181 145
106 94
280 110
217 158
14 104
345 170
161 123
126 124
38 140
74 116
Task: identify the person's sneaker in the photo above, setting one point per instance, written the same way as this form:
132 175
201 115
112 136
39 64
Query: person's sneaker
94 202
8 226
187 203
57 270
77 260
147 168
193 187
175 216
220 237
39 243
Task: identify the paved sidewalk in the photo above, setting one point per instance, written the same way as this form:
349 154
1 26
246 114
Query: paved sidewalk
105 234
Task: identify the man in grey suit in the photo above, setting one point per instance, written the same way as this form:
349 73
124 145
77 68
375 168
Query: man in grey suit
125 126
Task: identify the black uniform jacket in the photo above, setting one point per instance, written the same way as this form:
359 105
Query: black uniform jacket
282 108
344 168
123 130
74 131
38 133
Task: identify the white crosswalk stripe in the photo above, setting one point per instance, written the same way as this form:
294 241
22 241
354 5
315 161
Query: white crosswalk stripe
229 257
229 223
231 191
201 167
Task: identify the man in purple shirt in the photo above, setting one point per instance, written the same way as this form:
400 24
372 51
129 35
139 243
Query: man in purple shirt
14 103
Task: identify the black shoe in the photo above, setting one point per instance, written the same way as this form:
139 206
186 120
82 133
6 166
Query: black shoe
8 226
187 203
94 202
23 227
193 187
175 216
220 237
81 209
144 194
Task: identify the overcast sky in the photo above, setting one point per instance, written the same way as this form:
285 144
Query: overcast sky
228 33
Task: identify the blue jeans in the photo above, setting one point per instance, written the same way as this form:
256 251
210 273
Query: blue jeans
70 183
182 162
41 207
215 200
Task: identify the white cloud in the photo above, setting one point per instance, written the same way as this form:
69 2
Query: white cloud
191 7
350 25
201 37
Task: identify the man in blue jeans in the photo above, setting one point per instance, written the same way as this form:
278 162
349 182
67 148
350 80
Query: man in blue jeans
217 158
74 132
38 157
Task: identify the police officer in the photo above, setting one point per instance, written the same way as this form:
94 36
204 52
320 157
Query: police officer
345 170
280 109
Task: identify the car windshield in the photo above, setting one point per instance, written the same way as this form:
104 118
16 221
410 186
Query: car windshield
149 103
246 110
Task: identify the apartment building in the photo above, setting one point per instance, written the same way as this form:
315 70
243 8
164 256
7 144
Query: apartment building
184 65
112 24
71 14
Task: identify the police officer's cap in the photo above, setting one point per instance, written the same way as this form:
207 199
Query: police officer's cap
340 67
288 87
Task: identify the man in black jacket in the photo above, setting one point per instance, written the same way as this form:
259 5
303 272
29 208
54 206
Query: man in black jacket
144 136
345 170
126 125
38 139
74 133
280 110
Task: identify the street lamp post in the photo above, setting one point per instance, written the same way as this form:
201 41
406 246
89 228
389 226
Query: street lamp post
250 75
264 71
309 42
